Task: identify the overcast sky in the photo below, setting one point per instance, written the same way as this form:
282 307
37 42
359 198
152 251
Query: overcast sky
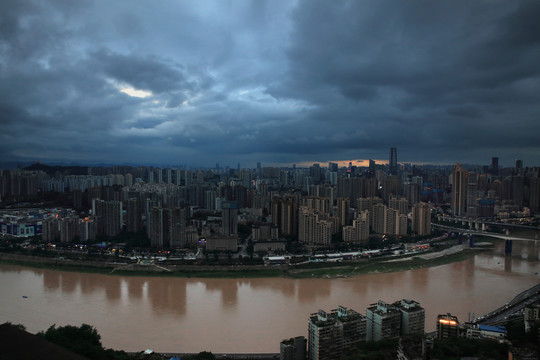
280 82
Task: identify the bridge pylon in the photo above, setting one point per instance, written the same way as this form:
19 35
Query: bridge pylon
508 247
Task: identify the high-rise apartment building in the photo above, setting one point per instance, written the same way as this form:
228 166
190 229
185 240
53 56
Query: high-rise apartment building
354 188
381 219
87 229
412 193
109 216
421 219
166 227
400 204
495 165
332 167
413 317
321 204
157 228
177 233
359 230
229 218
68 228
391 186
113 218
388 221
383 321
293 349
447 326
343 206
134 215
459 190
518 183
472 198
313 230
285 214
336 334
534 194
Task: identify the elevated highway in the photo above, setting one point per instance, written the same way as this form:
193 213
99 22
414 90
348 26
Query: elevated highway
501 314
483 223
483 233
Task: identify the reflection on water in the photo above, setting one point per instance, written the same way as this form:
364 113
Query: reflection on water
245 315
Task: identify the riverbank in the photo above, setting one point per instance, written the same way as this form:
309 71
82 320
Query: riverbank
312 270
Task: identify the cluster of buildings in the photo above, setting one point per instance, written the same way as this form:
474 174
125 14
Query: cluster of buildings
495 193
22 222
180 208
338 333
448 326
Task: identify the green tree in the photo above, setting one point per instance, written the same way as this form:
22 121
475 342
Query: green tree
83 340
18 326
204 355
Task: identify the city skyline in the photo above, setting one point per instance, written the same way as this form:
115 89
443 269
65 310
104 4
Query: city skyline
282 82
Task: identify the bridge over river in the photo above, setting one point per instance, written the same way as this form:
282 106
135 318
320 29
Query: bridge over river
484 233
514 306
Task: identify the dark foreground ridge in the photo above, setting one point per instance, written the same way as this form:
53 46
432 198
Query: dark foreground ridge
16 343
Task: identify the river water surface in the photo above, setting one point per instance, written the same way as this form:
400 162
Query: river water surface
249 315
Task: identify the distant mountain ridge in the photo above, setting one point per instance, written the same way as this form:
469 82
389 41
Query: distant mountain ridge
53 169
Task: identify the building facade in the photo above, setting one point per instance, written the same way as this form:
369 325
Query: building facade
336 334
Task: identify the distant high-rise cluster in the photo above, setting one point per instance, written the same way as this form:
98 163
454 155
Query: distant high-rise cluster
313 205
491 192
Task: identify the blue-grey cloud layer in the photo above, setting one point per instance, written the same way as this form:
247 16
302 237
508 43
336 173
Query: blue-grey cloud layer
270 81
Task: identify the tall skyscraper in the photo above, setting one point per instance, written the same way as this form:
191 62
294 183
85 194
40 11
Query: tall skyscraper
332 167
459 190
393 161
371 167
495 165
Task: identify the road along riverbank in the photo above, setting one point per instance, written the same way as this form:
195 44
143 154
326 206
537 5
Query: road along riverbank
310 270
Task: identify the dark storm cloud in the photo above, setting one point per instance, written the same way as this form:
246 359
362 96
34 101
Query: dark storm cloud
273 81
412 65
